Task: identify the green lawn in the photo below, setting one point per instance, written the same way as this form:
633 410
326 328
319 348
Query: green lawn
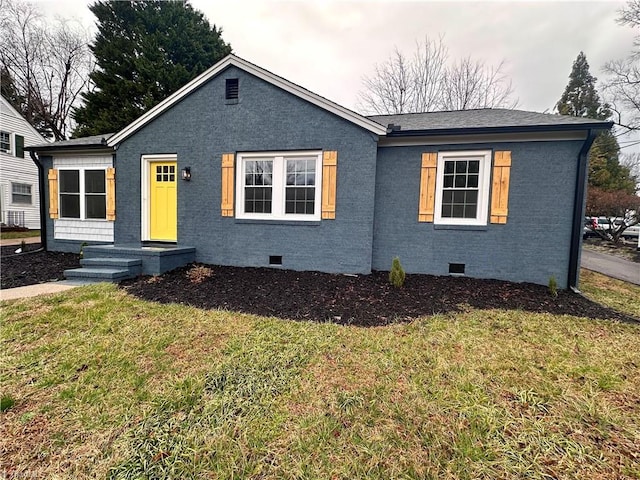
12 235
107 386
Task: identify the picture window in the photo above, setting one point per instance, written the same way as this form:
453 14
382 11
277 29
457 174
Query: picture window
83 194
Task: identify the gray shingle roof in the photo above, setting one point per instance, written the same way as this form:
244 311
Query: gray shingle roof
482 118
92 141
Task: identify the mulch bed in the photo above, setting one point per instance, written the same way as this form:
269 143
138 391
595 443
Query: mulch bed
33 266
366 300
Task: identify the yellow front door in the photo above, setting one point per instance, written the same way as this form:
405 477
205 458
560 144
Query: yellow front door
163 213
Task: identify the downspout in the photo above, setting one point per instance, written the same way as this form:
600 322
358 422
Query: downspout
43 210
578 210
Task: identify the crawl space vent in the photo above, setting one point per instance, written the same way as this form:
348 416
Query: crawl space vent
456 268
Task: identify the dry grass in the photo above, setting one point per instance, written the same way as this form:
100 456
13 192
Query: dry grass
619 295
109 386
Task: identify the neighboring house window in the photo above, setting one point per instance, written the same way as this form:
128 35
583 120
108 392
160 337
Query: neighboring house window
21 193
462 188
281 186
5 142
83 194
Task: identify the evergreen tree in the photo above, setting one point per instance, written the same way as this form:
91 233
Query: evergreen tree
9 91
145 51
581 99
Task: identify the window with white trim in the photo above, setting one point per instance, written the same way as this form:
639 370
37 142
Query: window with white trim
279 186
5 142
83 194
462 188
21 193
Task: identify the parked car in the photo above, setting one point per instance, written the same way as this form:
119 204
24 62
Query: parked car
591 224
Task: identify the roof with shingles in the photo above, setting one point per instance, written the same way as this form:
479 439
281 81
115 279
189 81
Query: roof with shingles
481 118
92 141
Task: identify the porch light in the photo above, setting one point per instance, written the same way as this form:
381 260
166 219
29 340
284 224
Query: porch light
186 173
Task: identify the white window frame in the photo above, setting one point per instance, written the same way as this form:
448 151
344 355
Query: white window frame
278 186
11 143
484 177
83 206
30 193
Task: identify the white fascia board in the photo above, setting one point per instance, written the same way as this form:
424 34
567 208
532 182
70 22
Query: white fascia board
280 82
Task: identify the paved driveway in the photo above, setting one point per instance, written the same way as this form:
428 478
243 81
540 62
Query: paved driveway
611 266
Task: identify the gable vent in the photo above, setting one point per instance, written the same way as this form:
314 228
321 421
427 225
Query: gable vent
231 89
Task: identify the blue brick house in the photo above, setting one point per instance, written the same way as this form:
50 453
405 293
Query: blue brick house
242 167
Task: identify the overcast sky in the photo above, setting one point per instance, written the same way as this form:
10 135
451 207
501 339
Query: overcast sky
328 46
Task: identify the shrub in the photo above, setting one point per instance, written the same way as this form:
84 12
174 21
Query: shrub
553 286
396 275
199 273
82 245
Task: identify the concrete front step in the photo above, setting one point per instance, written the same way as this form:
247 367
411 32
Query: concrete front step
111 262
155 260
99 274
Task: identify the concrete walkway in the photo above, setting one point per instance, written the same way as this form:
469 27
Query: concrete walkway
611 266
39 289
18 241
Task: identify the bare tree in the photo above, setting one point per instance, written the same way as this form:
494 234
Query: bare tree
622 86
390 90
630 16
632 162
48 64
428 81
472 84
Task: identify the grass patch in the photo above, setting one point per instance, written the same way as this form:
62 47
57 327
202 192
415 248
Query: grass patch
109 386
13 235
616 294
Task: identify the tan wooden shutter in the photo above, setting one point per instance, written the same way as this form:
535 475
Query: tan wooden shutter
111 194
500 187
427 187
329 180
53 193
227 184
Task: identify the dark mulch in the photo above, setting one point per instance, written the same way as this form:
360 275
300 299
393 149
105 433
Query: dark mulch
366 300
36 267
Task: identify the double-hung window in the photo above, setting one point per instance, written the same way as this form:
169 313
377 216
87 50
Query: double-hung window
83 194
462 188
279 186
21 193
5 142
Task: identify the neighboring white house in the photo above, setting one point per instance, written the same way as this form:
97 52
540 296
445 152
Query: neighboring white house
19 195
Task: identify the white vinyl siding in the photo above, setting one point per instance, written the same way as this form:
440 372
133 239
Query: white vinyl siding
83 229
18 170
